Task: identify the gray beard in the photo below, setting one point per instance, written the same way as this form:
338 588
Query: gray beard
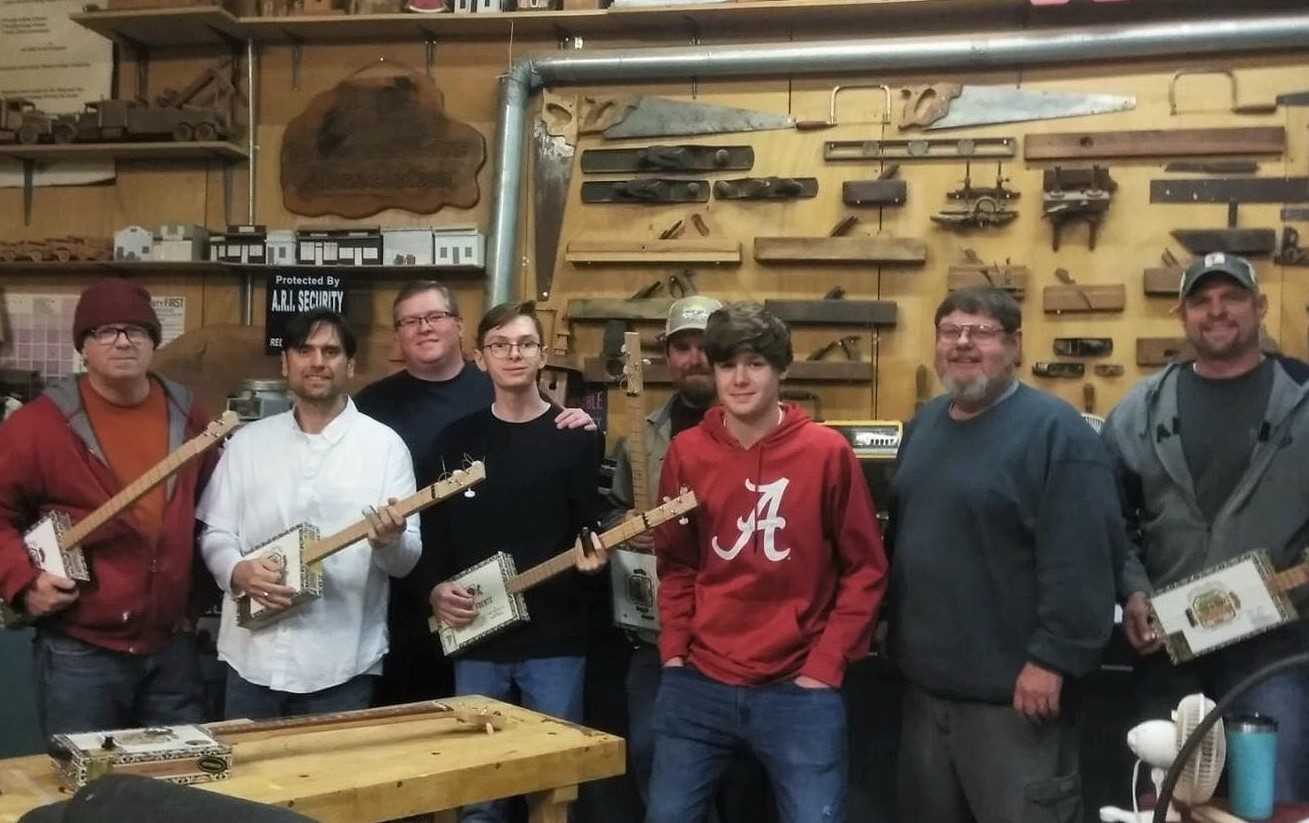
971 393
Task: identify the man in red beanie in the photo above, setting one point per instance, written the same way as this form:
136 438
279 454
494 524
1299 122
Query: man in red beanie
109 654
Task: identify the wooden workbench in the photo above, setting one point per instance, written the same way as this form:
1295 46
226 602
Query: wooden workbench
385 772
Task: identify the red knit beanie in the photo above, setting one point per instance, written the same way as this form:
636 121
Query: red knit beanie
114 300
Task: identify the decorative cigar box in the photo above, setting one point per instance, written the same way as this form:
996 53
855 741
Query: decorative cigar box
178 754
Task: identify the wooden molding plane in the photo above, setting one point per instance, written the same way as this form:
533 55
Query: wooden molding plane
1086 145
839 250
1009 277
834 312
817 371
616 308
691 251
1078 298
1162 281
1160 351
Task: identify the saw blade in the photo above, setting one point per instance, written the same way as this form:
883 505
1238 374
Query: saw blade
658 117
985 105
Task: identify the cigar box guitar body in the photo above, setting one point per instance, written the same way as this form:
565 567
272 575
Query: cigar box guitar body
300 550
55 542
497 588
1225 604
199 754
633 581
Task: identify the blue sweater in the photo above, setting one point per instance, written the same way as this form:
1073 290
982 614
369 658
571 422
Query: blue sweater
1004 529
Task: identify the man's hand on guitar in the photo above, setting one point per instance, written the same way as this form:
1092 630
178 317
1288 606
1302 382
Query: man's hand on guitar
261 578
592 560
48 594
385 525
571 418
1136 625
453 605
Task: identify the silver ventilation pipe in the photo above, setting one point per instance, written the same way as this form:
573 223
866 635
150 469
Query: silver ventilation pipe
1092 43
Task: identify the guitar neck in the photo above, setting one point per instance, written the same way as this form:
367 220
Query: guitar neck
325 547
137 489
563 561
1288 579
636 453
634 392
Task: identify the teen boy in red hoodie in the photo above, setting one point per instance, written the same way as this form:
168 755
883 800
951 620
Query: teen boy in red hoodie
767 594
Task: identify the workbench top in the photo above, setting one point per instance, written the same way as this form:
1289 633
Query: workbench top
387 771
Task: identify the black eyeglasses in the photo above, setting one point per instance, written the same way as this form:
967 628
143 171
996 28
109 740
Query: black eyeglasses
108 335
431 319
501 349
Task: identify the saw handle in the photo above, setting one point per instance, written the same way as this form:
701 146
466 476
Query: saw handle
924 105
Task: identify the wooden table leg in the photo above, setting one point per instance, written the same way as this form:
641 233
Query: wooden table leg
550 806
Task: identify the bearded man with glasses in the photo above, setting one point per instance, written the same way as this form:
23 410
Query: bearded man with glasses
436 387
116 653
1005 525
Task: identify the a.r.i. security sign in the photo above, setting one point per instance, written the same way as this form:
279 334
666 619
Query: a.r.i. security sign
293 292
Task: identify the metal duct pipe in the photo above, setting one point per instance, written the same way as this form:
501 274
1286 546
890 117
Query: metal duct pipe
991 50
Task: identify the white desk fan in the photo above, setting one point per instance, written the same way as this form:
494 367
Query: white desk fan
1156 743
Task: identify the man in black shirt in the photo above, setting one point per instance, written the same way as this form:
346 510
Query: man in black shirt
436 387
540 492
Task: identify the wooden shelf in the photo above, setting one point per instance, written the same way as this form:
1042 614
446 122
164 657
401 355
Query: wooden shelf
752 20
169 150
200 267
164 28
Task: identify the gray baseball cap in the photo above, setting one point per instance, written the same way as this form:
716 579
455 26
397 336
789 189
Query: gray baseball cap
690 313
1237 268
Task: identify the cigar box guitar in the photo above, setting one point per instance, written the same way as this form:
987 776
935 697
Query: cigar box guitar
498 589
55 542
300 550
1225 604
632 577
200 754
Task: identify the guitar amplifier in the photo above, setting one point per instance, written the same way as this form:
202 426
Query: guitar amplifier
876 443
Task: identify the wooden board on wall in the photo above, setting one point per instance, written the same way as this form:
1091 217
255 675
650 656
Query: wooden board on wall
839 250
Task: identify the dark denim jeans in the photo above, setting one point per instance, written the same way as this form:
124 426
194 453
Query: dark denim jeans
798 734
81 687
550 685
248 701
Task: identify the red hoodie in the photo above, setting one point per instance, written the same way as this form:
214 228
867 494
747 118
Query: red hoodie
781 568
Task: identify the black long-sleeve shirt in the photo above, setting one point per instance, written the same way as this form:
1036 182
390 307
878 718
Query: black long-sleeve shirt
541 488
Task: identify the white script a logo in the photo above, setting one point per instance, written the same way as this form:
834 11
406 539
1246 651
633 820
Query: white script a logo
770 499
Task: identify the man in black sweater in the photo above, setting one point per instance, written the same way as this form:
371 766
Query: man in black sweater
541 491
436 387
1005 525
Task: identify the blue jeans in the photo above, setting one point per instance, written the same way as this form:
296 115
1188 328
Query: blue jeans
798 734
643 675
248 701
549 685
83 688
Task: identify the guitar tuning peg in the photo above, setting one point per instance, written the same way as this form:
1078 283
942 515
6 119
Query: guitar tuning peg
470 493
684 520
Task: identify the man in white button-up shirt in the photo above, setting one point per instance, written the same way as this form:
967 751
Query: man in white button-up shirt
322 463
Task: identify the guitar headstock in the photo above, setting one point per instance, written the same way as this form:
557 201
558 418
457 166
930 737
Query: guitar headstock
481 718
227 423
633 382
459 480
673 507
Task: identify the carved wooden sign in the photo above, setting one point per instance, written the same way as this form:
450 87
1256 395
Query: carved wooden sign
374 143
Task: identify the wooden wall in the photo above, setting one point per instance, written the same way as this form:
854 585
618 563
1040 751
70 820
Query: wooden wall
1132 237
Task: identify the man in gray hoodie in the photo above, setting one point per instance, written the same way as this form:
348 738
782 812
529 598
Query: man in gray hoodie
1212 461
